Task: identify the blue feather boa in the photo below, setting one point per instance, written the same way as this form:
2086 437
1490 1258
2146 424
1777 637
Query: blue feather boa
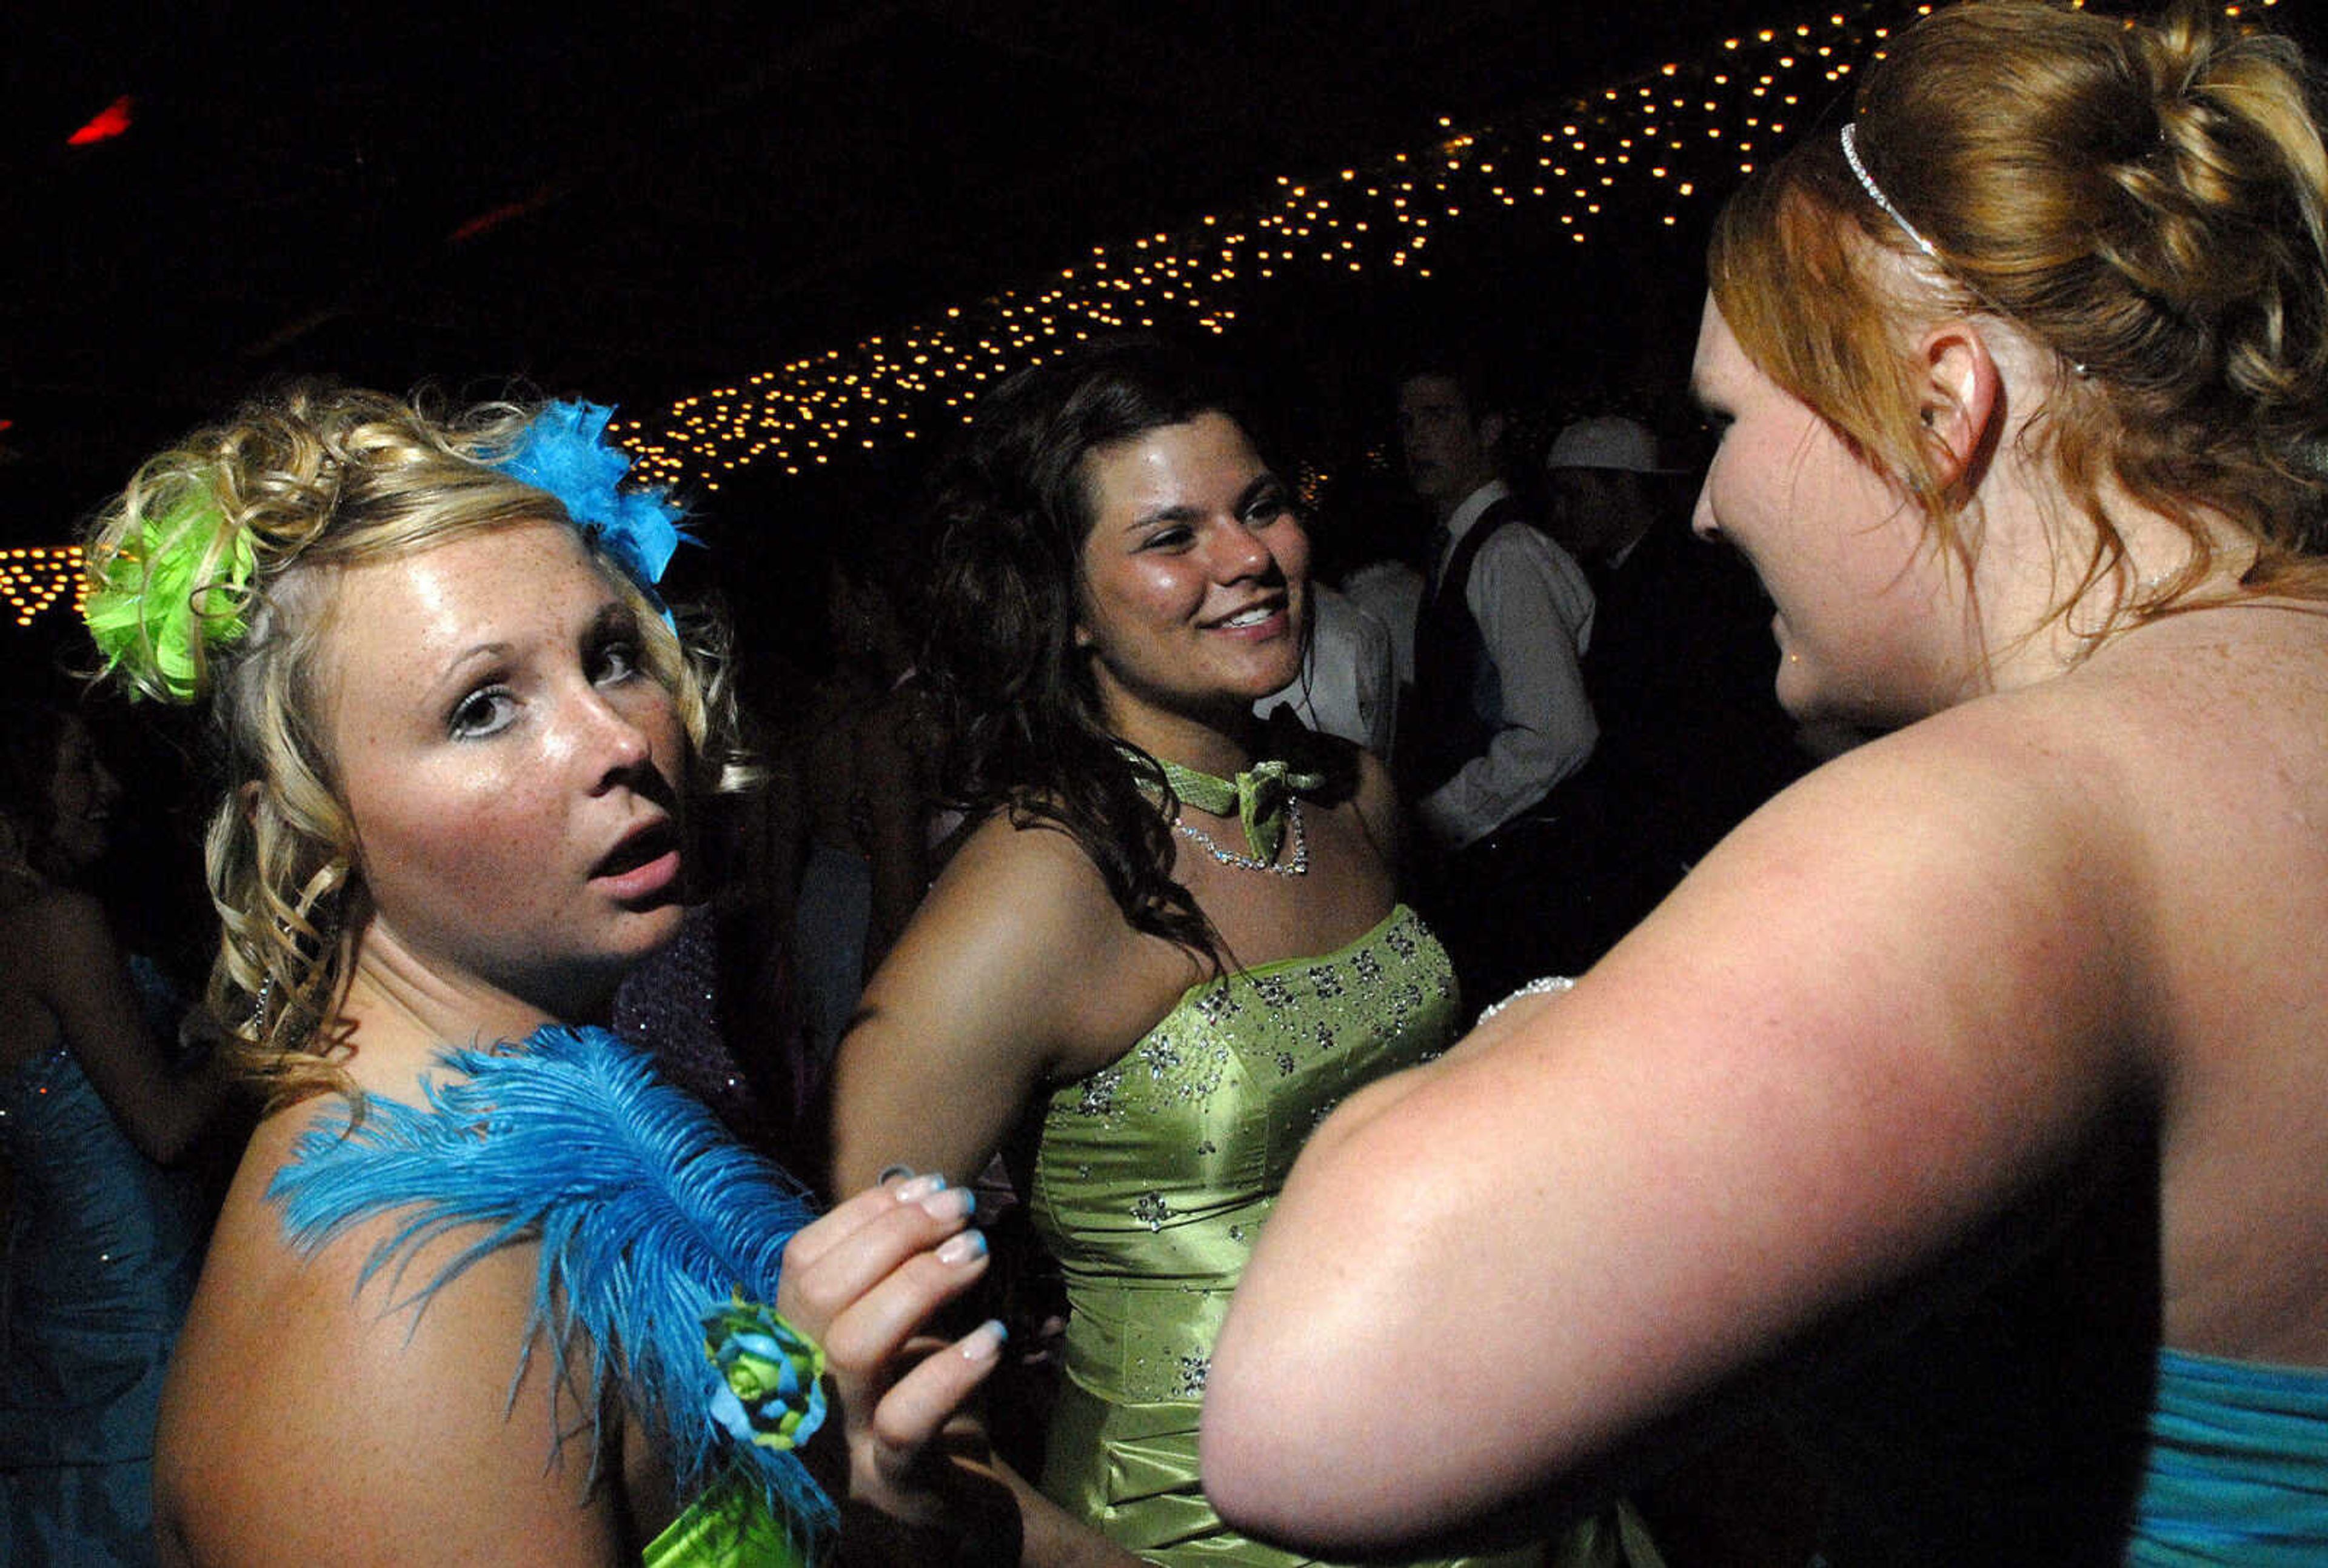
647 1215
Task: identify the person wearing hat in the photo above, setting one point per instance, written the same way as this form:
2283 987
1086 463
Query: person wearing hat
1602 473
1691 738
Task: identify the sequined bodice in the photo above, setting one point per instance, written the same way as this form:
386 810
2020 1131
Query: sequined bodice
1155 1174
98 1235
102 1252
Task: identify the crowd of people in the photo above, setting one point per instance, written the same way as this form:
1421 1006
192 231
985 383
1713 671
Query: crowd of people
1169 1058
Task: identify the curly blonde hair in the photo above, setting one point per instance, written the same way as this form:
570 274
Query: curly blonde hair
262 508
2146 202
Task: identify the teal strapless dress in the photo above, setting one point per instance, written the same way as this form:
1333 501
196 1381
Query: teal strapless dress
97 1266
2237 1469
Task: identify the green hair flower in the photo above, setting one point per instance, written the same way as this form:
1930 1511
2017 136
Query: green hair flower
167 595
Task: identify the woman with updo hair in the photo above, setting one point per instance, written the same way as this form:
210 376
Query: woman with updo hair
485 1288
1973 1095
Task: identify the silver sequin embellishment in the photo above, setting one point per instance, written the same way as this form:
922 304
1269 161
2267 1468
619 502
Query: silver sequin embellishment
1099 1093
1193 1370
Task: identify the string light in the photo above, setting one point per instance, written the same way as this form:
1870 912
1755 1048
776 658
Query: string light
1704 120
1696 117
35 577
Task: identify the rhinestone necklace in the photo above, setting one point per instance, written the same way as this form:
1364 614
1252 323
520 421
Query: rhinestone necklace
1296 865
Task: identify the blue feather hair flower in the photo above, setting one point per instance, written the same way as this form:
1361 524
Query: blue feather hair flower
565 452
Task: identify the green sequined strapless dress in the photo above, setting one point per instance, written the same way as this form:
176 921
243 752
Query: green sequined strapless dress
1152 1180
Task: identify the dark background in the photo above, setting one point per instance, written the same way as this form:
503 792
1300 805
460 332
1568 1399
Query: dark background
637 202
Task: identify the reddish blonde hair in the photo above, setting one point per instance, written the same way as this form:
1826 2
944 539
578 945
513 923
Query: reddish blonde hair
2146 202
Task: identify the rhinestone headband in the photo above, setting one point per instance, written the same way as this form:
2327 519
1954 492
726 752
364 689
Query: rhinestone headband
1875 193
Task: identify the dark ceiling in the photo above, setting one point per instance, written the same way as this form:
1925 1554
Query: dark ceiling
639 201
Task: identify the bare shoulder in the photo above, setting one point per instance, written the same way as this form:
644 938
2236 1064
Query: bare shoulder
315 1414
1931 857
1018 970
1059 904
66 930
1005 849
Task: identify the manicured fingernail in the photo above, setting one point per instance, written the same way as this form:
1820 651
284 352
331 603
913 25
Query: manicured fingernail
985 1342
890 1173
920 1187
954 1202
967 1247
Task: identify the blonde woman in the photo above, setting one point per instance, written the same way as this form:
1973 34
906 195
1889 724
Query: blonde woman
485 1290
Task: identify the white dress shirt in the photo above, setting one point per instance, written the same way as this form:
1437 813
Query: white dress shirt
1534 609
1392 591
1347 686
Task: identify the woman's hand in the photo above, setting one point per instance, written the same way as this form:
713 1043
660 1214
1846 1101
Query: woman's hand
864 1281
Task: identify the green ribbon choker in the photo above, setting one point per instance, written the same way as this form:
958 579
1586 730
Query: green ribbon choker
1257 797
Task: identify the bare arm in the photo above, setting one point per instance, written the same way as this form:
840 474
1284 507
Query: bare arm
81 977
1007 977
998 983
1872 1017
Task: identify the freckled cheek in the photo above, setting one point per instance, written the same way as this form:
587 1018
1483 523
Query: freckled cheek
484 841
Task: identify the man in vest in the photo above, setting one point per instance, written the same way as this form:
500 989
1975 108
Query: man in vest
1500 714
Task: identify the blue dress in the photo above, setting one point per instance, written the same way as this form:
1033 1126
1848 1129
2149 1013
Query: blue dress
2239 1465
102 1250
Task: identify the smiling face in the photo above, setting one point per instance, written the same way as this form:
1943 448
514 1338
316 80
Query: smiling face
510 766
1870 626
1195 578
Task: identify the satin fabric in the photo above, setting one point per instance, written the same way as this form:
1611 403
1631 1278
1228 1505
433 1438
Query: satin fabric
2239 1465
1152 1181
103 1248
729 1526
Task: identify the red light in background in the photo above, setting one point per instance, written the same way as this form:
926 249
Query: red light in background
484 223
110 122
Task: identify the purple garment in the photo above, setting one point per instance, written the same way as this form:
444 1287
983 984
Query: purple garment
671 1006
